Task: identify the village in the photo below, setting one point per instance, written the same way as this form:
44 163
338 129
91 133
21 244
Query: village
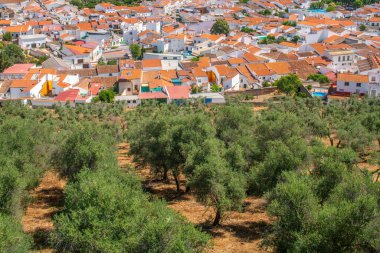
177 50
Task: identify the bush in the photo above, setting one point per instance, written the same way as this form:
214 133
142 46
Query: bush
86 148
12 239
108 212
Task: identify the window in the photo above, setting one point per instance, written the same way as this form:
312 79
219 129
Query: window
344 58
373 79
134 101
339 58
128 89
346 84
358 85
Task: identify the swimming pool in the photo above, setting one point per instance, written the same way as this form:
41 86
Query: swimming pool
319 94
318 10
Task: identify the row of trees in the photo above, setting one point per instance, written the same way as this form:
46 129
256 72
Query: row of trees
26 145
301 155
105 209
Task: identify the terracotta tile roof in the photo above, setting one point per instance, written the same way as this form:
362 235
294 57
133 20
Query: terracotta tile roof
178 92
199 72
212 37
22 83
148 76
353 78
107 69
151 63
290 44
69 95
234 61
245 72
131 74
260 69
19 68
17 29
159 82
4 86
302 68
5 22
105 81
152 95
280 68
78 50
80 72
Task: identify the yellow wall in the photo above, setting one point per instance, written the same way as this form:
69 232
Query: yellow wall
47 88
211 77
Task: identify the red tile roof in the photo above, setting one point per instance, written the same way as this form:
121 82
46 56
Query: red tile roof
69 95
178 92
18 69
152 95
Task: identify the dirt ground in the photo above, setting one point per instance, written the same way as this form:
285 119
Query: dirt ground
241 232
47 199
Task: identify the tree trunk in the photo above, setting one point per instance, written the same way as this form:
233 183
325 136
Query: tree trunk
337 145
218 216
165 175
176 181
187 189
378 141
331 141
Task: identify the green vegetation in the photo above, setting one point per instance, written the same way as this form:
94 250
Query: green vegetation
331 7
214 88
247 30
41 59
105 209
317 5
110 62
195 59
288 84
265 12
300 154
92 3
220 27
105 96
10 54
322 79
362 27
295 39
290 23
136 51
271 39
12 239
316 192
7 36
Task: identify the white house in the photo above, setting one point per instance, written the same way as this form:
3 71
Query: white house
81 56
342 60
32 41
359 84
